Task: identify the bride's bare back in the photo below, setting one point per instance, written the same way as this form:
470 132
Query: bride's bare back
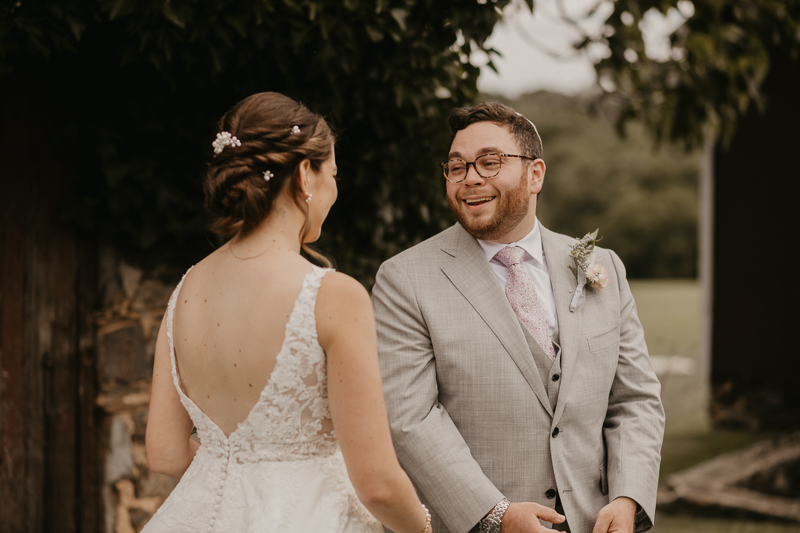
229 327
228 321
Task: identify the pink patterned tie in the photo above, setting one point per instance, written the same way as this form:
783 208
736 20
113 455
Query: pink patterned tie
521 294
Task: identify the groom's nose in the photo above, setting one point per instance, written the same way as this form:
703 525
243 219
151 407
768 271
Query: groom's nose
472 177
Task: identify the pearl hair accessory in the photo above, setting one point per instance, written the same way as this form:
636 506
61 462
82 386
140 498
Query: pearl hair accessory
295 129
268 175
224 139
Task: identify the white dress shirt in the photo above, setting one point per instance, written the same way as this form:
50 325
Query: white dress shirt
535 266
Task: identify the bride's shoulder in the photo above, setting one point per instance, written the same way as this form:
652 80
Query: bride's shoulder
341 294
338 287
343 307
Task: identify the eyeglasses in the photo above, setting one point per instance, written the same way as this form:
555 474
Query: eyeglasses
487 166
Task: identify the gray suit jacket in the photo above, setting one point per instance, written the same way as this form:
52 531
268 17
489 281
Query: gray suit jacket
469 412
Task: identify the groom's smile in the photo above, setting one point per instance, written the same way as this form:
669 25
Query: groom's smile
473 201
500 206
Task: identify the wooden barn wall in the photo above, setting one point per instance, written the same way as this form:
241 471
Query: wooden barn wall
756 287
48 460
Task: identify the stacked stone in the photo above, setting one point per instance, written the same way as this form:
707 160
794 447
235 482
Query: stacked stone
127 324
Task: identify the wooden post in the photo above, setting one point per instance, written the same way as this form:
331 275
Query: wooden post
47 454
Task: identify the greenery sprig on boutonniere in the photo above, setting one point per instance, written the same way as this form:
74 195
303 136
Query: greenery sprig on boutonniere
585 269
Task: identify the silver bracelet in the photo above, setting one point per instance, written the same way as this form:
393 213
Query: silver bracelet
491 523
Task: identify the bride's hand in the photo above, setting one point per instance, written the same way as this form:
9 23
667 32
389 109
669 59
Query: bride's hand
523 517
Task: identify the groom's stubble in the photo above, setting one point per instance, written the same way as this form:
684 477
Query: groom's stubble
512 208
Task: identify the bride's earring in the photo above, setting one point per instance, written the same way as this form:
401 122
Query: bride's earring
308 198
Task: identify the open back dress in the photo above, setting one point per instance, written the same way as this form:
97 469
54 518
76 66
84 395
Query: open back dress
281 470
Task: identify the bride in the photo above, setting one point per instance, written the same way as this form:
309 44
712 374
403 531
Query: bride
271 358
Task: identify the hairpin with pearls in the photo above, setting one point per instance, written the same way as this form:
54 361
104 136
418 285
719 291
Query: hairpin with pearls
295 129
224 138
268 175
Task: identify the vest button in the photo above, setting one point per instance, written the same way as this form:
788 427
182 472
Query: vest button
551 493
555 377
555 433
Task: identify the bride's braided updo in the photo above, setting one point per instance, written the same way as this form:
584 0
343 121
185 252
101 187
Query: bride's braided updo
237 193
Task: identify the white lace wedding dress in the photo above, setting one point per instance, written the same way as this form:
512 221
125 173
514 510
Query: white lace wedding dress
281 470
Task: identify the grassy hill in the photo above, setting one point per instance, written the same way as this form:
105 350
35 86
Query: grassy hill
643 199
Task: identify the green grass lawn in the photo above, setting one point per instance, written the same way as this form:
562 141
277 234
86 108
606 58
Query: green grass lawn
670 314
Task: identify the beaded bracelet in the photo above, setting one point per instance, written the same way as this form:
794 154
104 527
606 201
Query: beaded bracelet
427 518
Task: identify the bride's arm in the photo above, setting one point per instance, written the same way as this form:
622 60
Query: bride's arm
346 329
170 450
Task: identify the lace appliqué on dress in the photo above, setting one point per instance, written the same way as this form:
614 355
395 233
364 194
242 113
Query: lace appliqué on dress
281 469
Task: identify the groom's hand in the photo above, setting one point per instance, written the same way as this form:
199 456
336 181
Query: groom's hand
523 517
616 517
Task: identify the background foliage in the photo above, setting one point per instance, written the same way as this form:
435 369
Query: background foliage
142 82
139 84
718 61
643 199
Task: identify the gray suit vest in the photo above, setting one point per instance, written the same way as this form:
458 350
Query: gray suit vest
549 371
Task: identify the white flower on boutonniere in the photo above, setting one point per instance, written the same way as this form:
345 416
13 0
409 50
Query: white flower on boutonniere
585 269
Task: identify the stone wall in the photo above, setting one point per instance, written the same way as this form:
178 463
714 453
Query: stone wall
127 323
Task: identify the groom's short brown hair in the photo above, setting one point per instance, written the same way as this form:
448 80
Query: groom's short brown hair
520 127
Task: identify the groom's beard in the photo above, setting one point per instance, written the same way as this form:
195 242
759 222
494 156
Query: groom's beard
512 207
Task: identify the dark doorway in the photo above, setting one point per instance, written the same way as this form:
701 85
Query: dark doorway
48 458
756 356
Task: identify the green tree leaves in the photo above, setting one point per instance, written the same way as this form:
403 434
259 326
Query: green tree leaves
719 58
645 202
146 80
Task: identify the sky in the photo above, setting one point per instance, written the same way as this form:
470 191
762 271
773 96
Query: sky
524 65
537 48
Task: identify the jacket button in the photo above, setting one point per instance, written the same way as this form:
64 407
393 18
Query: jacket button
555 433
555 377
551 493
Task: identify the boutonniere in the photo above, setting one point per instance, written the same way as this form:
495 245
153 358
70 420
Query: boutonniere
586 271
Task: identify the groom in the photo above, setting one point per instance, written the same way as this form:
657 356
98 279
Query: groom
510 398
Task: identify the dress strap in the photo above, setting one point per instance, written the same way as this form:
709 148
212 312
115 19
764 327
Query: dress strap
305 318
314 279
170 314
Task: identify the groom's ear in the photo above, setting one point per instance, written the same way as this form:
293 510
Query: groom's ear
536 170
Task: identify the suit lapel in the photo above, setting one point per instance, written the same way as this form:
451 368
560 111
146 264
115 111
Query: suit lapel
556 251
473 277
